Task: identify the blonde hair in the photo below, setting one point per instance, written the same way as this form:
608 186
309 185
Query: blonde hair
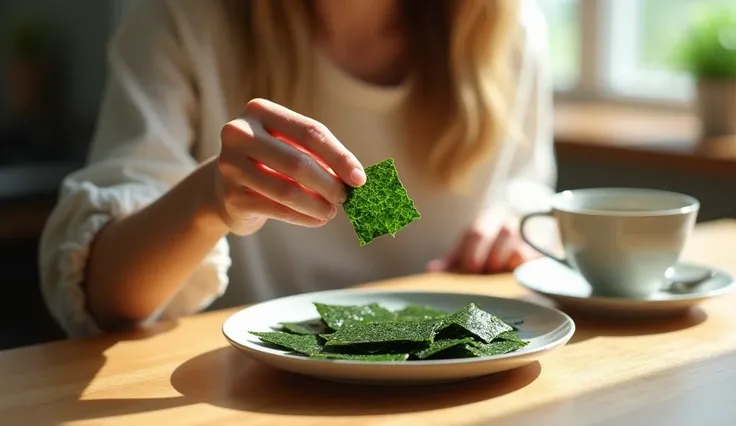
459 105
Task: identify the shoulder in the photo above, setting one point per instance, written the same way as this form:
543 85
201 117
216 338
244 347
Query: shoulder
184 20
187 36
533 27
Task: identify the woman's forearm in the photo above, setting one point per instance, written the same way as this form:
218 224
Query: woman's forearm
138 262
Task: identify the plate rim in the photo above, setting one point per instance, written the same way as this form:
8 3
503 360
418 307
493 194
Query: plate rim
560 341
674 298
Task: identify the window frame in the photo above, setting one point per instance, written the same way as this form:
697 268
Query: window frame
595 83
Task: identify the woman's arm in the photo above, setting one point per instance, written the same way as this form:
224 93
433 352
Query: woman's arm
136 226
129 229
137 262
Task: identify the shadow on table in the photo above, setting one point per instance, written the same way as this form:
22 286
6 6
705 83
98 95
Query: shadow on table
228 379
57 398
589 326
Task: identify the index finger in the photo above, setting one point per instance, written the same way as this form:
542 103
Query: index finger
312 135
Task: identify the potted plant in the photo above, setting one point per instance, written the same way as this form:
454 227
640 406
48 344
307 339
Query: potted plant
26 65
708 54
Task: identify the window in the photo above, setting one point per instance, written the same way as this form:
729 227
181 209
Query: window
563 19
620 49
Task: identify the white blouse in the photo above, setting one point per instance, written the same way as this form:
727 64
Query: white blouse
168 95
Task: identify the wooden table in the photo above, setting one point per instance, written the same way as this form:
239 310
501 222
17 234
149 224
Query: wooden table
679 372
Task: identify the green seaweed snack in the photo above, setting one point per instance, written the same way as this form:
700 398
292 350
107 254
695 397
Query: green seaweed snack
472 321
494 348
373 333
509 335
314 326
440 346
381 206
418 312
336 316
400 332
361 357
307 344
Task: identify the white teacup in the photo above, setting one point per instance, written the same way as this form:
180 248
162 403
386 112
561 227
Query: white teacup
621 240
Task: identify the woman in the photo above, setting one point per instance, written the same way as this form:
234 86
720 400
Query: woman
198 191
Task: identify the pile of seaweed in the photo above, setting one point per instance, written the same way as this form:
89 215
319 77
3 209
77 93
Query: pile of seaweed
374 333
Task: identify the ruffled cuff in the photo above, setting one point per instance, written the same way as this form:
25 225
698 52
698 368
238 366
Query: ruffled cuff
66 243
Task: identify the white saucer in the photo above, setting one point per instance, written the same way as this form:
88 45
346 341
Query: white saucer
571 291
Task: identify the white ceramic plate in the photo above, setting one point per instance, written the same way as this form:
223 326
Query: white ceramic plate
546 329
571 291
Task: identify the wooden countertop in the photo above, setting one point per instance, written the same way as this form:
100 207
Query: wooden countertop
641 136
679 372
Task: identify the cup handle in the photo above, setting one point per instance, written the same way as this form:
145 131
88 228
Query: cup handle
526 239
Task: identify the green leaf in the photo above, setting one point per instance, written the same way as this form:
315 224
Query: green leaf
336 316
307 344
475 322
708 48
381 206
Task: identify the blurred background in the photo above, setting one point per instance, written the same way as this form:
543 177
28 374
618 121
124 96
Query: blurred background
645 96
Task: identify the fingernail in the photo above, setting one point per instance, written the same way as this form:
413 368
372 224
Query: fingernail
332 213
343 196
357 176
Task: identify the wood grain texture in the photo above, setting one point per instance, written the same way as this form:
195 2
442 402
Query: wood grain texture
680 372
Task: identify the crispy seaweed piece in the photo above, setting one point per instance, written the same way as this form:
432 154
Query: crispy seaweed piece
472 321
307 344
419 312
439 346
381 206
477 349
375 334
498 347
509 335
363 357
336 316
313 326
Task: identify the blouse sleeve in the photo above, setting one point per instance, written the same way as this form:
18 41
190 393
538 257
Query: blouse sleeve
141 148
526 172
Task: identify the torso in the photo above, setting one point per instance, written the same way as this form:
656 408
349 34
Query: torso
283 259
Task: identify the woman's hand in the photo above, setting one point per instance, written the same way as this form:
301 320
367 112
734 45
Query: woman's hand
488 247
278 164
